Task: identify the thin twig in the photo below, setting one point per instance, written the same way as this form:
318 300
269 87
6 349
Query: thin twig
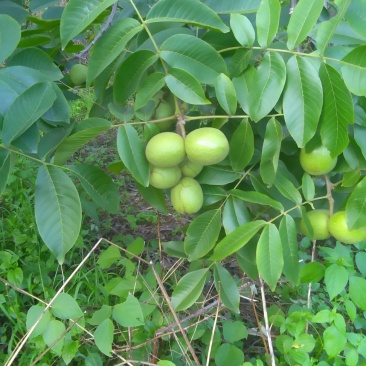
330 187
213 330
310 284
272 360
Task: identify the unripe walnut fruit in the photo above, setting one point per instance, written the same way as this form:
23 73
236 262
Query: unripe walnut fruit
318 161
319 223
165 150
78 74
338 228
206 146
164 178
190 169
164 110
187 196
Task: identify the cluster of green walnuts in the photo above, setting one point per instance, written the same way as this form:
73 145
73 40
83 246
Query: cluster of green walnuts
175 162
323 223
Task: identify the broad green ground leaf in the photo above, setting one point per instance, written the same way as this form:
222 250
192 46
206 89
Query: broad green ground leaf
108 257
312 272
256 197
154 196
354 70
228 354
356 16
242 29
236 239
225 94
241 146
33 314
4 169
69 351
290 248
351 309
227 288
77 15
130 72
360 260
99 315
357 291
270 255
111 45
235 213
185 87
271 151
337 110
103 336
91 127
26 109
267 20
327 28
202 234
336 279
57 210
66 307
302 21
54 331
149 87
308 187
165 363
9 36
334 341
188 289
266 85
356 206
287 188
194 56
129 313
234 331
132 153
191 11
302 100
99 186
15 276
37 59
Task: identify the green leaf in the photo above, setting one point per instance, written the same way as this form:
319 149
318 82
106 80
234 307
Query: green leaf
69 351
165 363
217 175
337 110
103 336
243 87
359 134
132 153
108 257
130 72
351 178
91 128
360 260
33 314
194 56
287 188
185 87
312 272
267 20
354 70
351 309
111 45
334 341
336 279
302 21
154 196
308 187
59 113
26 109
266 85
191 11
257 197
54 332
225 94
149 87
235 214
241 146
239 62
356 16
327 28
77 15
129 313
236 239
99 315
228 354
234 331
9 36
15 276
233 6
65 307
188 289
202 234
99 186
4 169
290 248
242 29
246 258
271 151
357 291
57 210
302 100
227 288
175 249
269 255
356 206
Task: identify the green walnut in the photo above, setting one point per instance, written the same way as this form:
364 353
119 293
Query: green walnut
318 161
338 228
187 196
164 178
165 150
164 110
78 74
319 223
190 169
206 146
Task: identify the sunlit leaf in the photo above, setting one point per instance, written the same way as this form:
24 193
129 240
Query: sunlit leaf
129 313
33 314
335 279
103 336
225 94
356 206
243 29
66 307
267 20
54 335
235 214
